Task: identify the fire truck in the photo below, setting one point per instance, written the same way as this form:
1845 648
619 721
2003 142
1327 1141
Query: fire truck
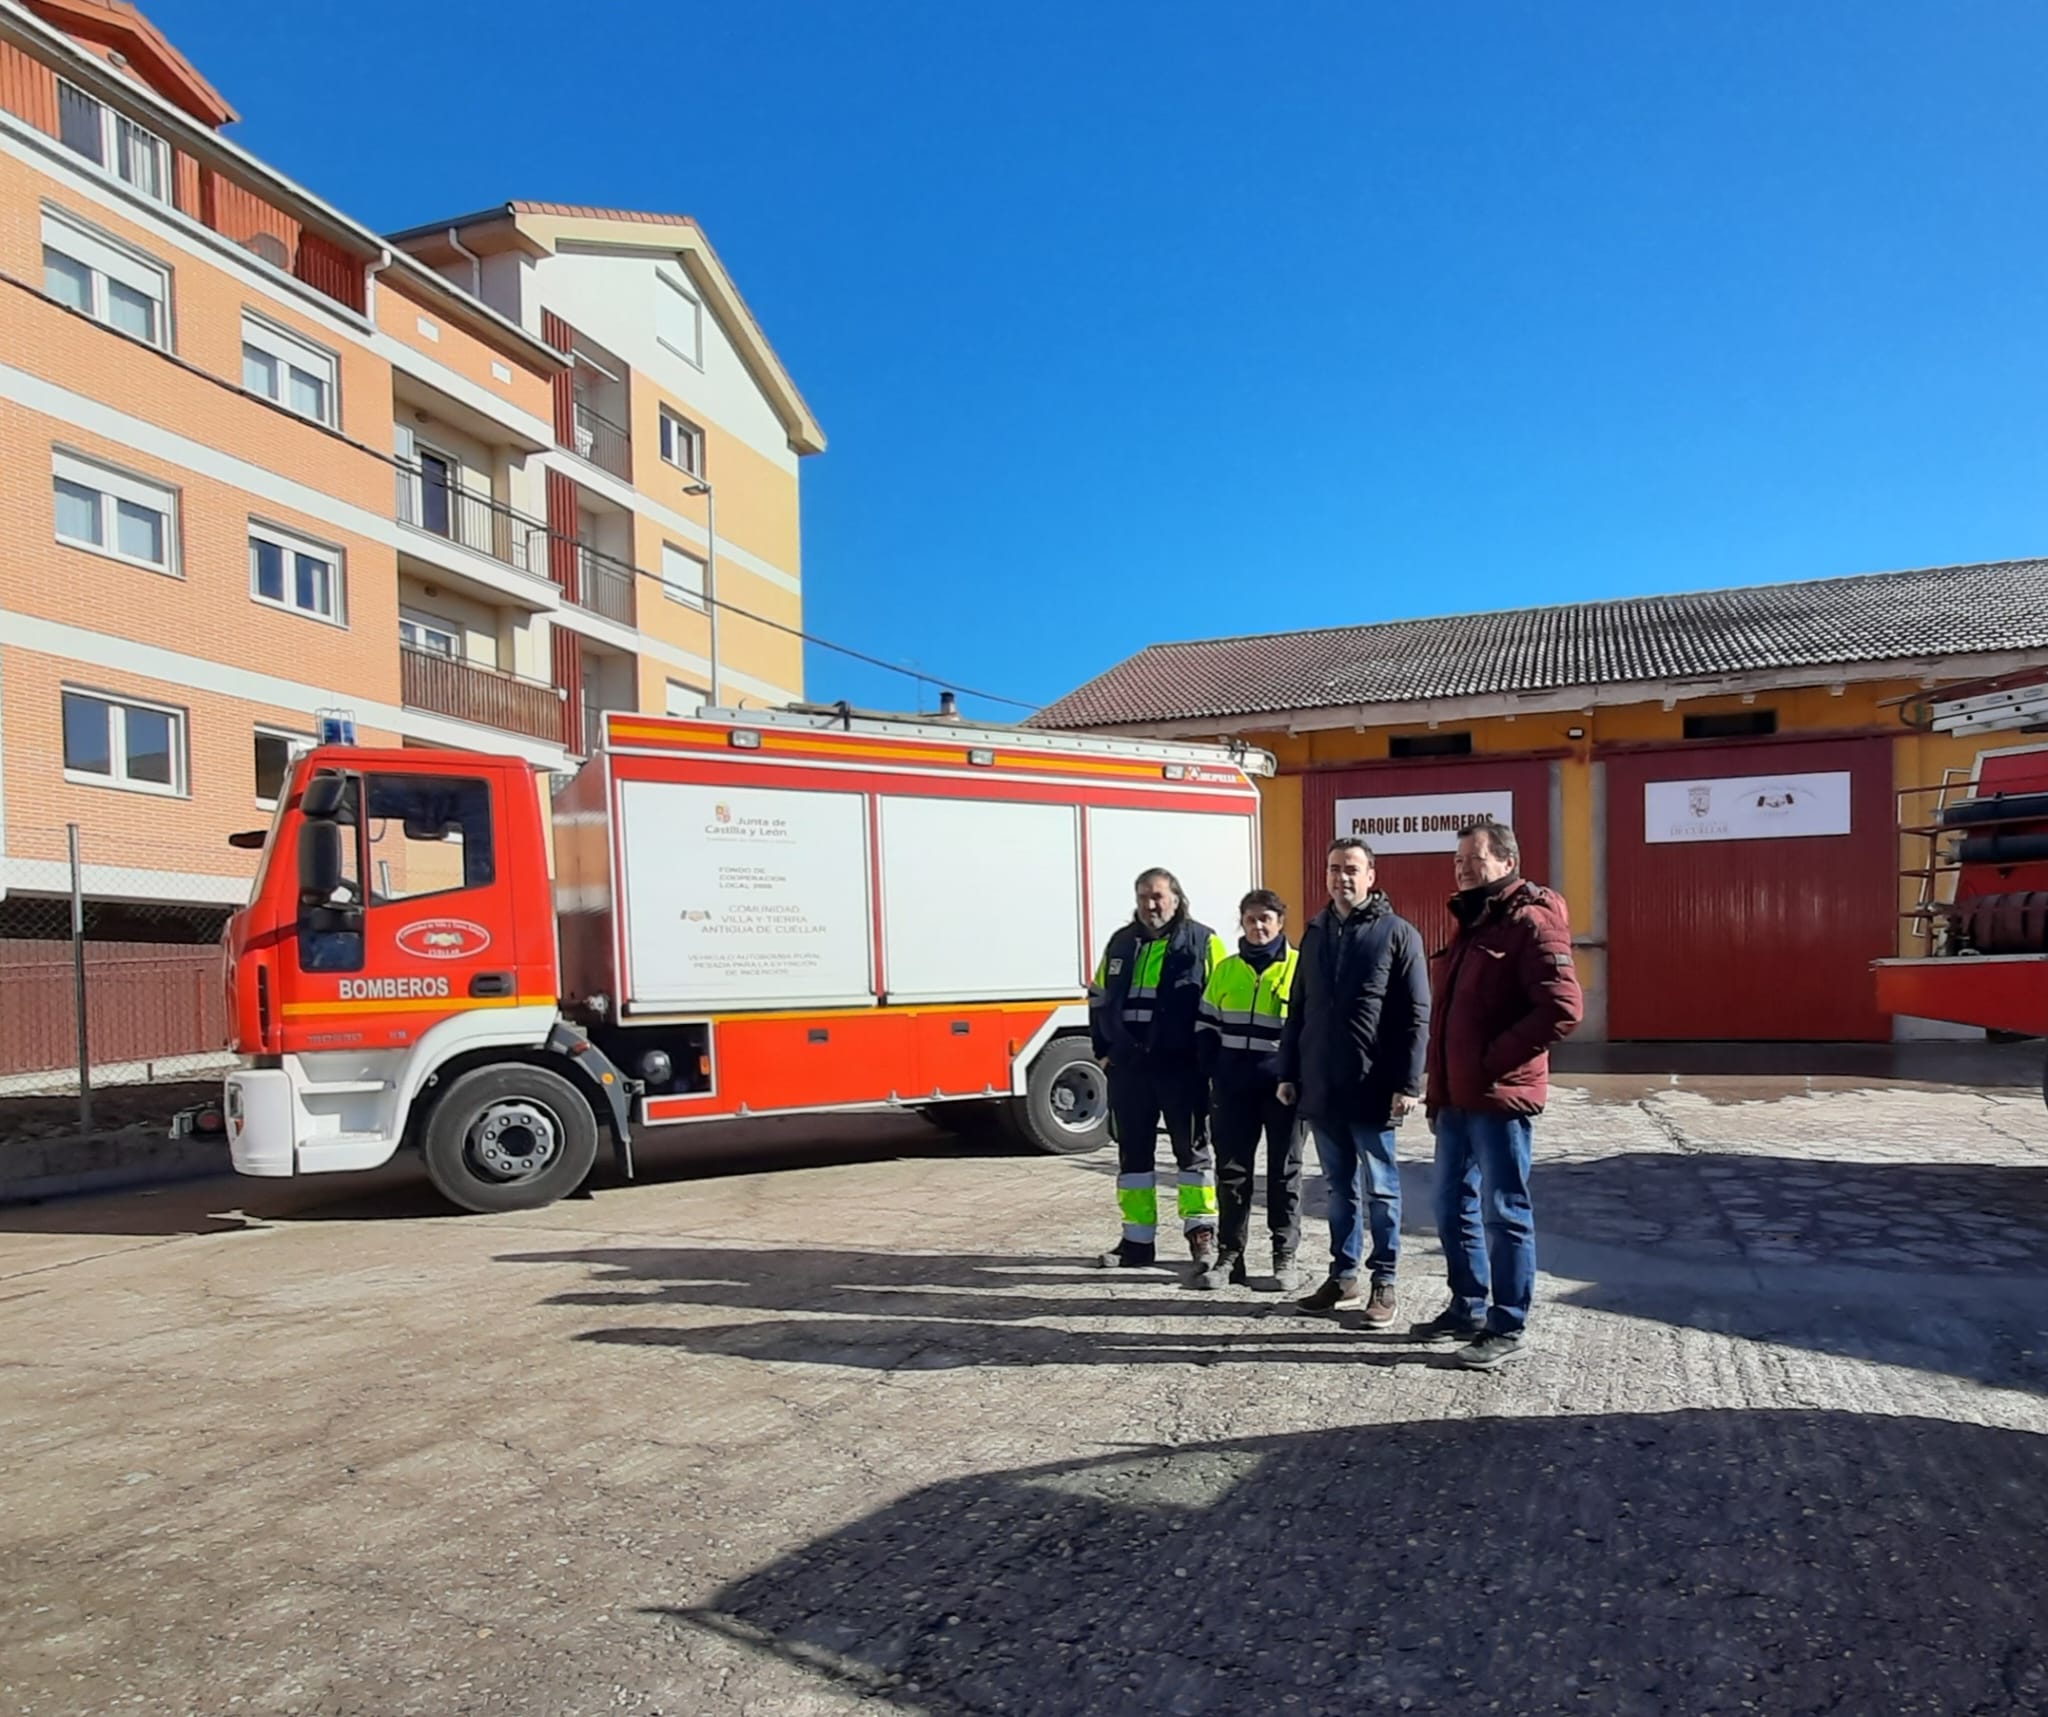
717 917
1980 920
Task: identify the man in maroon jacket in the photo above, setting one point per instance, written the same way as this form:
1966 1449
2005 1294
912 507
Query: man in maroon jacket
1501 993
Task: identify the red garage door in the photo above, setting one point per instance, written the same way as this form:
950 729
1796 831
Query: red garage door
1410 814
1749 888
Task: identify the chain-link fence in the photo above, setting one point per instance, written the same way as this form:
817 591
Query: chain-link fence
111 976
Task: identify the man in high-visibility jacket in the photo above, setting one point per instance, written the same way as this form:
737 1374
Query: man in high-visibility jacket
1142 1012
1244 1011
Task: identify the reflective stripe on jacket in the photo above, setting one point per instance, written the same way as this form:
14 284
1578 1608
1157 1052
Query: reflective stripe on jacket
1244 1011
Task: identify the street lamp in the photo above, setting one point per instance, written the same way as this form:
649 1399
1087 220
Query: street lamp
703 487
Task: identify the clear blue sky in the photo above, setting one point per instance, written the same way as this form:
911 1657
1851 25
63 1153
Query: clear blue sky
1139 321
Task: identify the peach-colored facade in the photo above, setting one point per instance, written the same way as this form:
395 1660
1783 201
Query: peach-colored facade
262 462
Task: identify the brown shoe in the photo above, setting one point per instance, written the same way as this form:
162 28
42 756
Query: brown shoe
1202 1248
1380 1306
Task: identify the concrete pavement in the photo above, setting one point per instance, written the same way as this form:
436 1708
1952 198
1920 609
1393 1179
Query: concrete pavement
857 1431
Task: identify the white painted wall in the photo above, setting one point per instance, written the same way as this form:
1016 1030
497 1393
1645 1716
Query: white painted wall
611 296
509 289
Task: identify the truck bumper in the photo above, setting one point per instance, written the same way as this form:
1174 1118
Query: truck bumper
261 1117
2002 992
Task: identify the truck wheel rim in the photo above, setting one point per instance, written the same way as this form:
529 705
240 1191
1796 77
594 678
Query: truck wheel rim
513 1141
1080 1098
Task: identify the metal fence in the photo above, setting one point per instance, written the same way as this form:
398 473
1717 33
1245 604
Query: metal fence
111 974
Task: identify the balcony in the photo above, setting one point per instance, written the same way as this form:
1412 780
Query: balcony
605 585
603 442
447 685
430 500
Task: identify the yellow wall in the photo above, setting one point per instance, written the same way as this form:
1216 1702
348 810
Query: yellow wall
1918 761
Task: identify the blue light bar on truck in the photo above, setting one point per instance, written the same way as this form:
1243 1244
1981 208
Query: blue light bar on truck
336 726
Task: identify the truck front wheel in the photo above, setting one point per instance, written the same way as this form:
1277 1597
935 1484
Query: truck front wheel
1065 1106
509 1138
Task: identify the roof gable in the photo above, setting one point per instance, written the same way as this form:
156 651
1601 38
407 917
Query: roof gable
117 32
540 228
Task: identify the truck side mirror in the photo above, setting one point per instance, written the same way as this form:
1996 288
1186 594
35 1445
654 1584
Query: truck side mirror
319 862
324 798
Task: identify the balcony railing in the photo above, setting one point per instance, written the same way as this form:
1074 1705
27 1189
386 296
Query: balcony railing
491 697
603 442
605 585
431 503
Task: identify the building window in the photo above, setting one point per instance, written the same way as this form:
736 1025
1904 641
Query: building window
287 571
1737 724
1430 745
103 279
124 517
285 370
435 637
682 576
112 742
682 443
275 750
88 127
679 320
685 699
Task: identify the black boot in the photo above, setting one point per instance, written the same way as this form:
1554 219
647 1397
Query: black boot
1128 1255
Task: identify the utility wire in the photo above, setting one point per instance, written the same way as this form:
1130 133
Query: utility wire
921 678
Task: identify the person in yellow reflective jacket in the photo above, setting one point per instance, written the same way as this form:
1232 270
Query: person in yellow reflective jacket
1244 1011
1142 1011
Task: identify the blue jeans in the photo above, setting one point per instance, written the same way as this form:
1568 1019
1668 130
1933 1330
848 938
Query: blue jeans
1355 1158
1484 1217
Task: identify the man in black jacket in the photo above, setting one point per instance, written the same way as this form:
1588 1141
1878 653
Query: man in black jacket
1352 1057
1142 1012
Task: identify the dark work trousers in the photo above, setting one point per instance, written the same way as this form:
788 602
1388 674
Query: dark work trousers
1240 1117
1141 1095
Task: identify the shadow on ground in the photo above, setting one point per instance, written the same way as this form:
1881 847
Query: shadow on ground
1691 1562
1941 1268
1745 1071
400 1191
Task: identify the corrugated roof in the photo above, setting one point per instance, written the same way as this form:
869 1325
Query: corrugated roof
1875 617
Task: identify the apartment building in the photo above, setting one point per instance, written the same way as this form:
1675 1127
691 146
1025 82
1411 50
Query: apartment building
475 485
677 437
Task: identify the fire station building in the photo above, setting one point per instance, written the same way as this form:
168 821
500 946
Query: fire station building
1711 780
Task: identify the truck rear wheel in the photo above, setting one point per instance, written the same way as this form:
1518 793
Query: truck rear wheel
509 1138
1065 1106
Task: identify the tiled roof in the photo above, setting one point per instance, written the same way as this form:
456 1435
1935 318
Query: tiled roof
1936 611
587 211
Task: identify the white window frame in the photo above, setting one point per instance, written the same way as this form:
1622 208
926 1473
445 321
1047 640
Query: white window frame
676 429
285 348
111 120
117 744
108 260
693 308
264 730
113 485
684 594
421 621
291 543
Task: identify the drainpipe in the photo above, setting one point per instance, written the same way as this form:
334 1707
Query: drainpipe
370 285
476 265
702 487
